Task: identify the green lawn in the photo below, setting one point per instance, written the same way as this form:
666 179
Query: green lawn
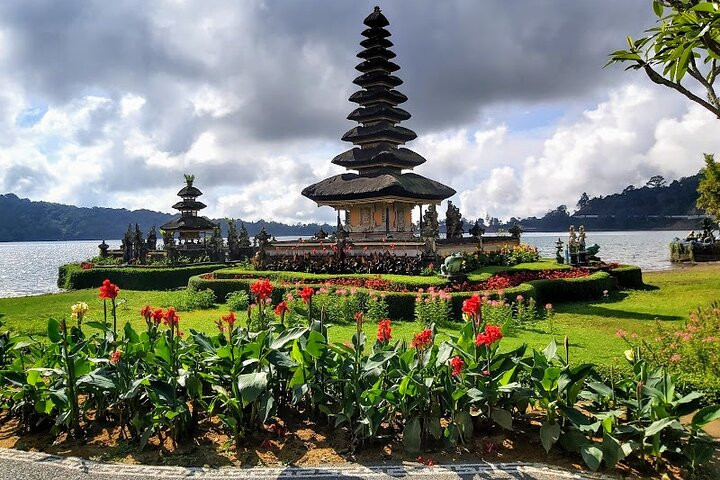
590 326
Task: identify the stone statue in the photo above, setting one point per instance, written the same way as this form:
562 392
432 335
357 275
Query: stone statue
139 245
430 229
573 240
152 239
321 234
453 222
262 239
217 252
127 244
592 251
103 249
559 257
452 266
581 238
168 239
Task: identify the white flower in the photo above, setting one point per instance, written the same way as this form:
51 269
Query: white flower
630 355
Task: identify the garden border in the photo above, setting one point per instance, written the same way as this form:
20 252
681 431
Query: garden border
72 276
82 466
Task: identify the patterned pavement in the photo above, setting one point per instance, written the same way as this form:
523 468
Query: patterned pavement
16 465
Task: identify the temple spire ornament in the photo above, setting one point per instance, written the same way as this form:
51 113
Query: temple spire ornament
379 198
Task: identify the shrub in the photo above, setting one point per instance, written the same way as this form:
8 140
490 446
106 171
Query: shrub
376 308
189 299
237 301
433 307
73 277
628 276
573 289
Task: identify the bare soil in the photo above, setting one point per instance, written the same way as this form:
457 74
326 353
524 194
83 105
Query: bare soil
304 443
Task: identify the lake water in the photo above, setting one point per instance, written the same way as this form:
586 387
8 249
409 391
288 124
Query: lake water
30 268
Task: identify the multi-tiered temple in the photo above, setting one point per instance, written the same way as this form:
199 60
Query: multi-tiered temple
190 227
378 200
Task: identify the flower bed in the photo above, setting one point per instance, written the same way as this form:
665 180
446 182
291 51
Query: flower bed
429 394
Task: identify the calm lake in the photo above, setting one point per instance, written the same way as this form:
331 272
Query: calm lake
30 268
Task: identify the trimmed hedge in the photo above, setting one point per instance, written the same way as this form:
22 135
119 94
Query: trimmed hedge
573 289
406 281
628 276
73 277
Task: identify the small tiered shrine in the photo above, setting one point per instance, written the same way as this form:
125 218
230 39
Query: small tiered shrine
378 200
191 228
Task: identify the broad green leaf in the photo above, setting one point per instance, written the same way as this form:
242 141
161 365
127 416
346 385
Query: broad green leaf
592 456
251 385
444 353
659 425
163 390
657 8
287 336
579 419
708 7
614 450
378 360
280 359
549 434
502 418
411 435
54 331
316 344
465 425
98 381
550 351
433 427
705 416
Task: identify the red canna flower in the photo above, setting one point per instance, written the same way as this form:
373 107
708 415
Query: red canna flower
491 335
456 365
422 339
108 290
472 305
220 326
146 312
116 356
170 318
306 294
262 288
281 308
384 332
157 316
229 318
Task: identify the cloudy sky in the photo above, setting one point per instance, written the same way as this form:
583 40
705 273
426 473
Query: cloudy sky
109 103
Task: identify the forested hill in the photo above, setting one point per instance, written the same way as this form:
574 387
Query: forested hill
26 220
654 206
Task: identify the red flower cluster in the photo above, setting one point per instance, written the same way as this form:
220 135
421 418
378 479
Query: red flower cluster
108 290
370 283
384 332
157 316
146 312
425 461
456 365
306 294
262 289
87 265
170 318
422 339
472 305
281 308
115 357
491 335
230 319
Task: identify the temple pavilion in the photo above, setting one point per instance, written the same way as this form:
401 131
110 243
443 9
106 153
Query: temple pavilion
190 227
378 200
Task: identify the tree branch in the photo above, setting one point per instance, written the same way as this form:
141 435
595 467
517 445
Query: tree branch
694 72
660 80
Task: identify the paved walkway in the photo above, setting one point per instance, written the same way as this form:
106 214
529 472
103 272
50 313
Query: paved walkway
17 465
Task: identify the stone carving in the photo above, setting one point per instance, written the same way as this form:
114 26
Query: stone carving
559 257
430 228
152 239
453 222
452 266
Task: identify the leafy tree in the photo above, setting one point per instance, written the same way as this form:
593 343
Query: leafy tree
709 188
584 200
656 181
628 189
686 42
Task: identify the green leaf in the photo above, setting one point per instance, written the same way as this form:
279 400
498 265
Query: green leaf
131 334
433 427
411 435
549 434
444 353
101 382
592 456
660 425
287 336
163 390
54 331
251 385
502 418
579 419
280 359
204 342
705 416
614 450
657 8
464 422
708 7
378 360
316 344
550 351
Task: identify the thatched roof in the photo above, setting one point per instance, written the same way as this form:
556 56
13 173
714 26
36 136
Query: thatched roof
382 155
189 223
381 183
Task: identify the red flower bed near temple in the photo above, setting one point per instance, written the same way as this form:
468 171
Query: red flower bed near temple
499 281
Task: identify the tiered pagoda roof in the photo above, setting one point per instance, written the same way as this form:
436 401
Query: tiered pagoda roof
378 156
189 207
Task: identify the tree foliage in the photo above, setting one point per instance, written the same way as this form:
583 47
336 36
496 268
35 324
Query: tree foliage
686 42
709 187
656 181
